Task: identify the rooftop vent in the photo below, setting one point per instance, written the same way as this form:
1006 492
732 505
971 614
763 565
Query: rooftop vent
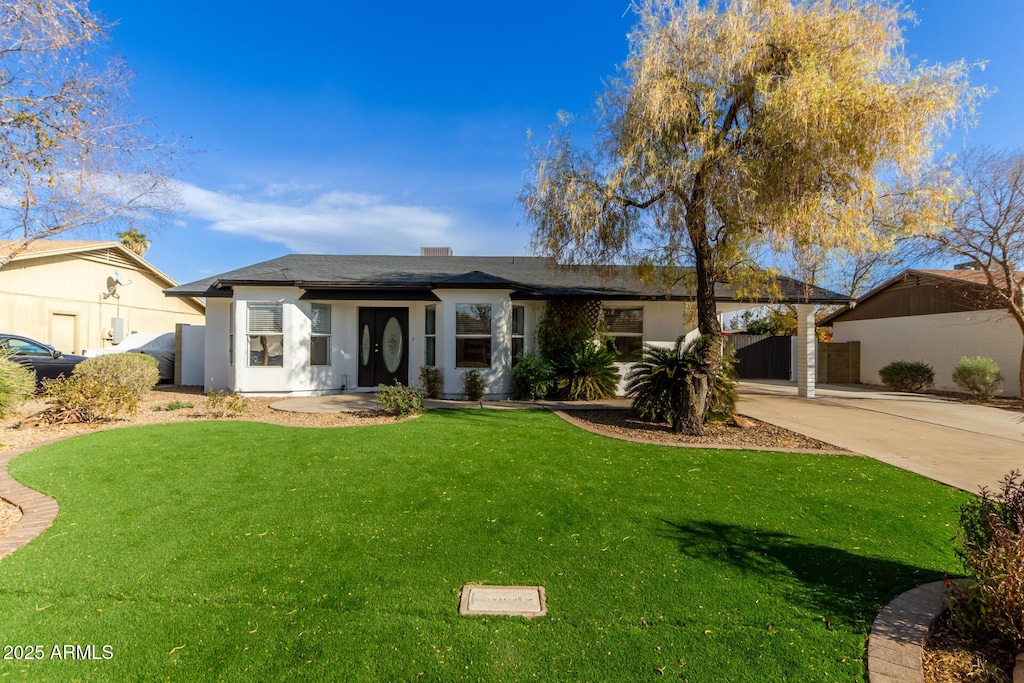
435 251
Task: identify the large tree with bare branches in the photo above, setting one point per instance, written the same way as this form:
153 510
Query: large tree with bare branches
986 228
739 125
70 154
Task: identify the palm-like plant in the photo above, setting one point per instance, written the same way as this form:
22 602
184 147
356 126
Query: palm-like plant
661 384
589 374
135 241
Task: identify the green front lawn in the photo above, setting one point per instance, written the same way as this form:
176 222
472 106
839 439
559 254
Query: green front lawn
242 551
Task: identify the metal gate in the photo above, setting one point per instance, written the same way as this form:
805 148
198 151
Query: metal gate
762 356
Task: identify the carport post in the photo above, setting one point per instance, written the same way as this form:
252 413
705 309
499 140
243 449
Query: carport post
807 347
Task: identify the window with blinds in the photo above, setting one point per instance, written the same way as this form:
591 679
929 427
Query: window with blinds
624 330
265 328
430 336
518 332
472 335
320 335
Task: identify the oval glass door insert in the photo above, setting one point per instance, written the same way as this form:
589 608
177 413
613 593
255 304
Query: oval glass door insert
366 345
392 345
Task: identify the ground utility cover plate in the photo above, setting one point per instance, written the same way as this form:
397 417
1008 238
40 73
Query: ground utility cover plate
525 601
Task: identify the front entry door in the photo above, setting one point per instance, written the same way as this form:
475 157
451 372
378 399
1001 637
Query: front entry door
383 346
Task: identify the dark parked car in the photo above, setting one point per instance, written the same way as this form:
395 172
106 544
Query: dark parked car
47 361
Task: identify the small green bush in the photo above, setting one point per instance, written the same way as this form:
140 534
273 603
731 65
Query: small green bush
991 548
174 405
532 377
978 376
101 388
589 374
400 399
224 403
473 385
432 380
17 385
910 376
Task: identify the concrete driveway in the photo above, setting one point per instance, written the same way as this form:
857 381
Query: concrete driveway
958 444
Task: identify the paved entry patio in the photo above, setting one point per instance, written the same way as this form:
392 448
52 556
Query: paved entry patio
959 444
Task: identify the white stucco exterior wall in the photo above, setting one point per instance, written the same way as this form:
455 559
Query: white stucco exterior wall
191 361
939 340
498 377
664 321
217 370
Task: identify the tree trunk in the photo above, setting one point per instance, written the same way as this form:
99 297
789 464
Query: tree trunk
710 353
690 419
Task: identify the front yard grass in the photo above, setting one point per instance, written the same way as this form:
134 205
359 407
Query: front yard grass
244 551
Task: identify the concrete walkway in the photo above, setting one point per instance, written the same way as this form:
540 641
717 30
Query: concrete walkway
958 444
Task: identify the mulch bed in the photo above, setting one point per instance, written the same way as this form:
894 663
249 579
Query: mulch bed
753 433
950 657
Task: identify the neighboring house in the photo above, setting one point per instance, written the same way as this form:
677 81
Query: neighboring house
935 316
306 325
67 294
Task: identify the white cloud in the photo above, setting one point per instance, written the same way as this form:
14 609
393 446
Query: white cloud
307 219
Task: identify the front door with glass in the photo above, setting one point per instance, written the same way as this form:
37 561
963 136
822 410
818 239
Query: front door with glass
383 346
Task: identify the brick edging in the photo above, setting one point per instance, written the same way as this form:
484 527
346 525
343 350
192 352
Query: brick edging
898 634
38 510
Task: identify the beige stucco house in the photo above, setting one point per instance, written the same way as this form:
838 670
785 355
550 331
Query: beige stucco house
72 295
933 316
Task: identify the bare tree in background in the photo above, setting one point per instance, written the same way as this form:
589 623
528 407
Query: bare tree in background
70 154
986 228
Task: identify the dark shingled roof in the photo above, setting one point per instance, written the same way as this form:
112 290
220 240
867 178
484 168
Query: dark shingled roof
528 277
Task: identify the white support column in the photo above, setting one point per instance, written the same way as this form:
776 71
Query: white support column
807 358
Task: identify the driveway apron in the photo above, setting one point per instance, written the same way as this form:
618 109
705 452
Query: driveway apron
959 444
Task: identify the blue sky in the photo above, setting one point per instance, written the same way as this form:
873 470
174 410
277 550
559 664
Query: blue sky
344 127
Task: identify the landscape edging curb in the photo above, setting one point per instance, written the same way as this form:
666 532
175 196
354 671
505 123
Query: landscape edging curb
37 509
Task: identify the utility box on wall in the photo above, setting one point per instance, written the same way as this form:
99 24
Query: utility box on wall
117 325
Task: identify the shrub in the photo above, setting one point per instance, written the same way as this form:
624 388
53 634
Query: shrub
589 374
432 380
911 376
221 403
532 378
661 383
567 326
174 405
473 385
399 399
978 376
992 551
101 388
17 385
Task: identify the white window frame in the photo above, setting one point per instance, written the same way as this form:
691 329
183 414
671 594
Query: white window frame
269 323
517 335
616 334
470 336
319 328
430 335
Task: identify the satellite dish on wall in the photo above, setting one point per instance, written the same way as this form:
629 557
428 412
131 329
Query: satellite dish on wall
113 283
